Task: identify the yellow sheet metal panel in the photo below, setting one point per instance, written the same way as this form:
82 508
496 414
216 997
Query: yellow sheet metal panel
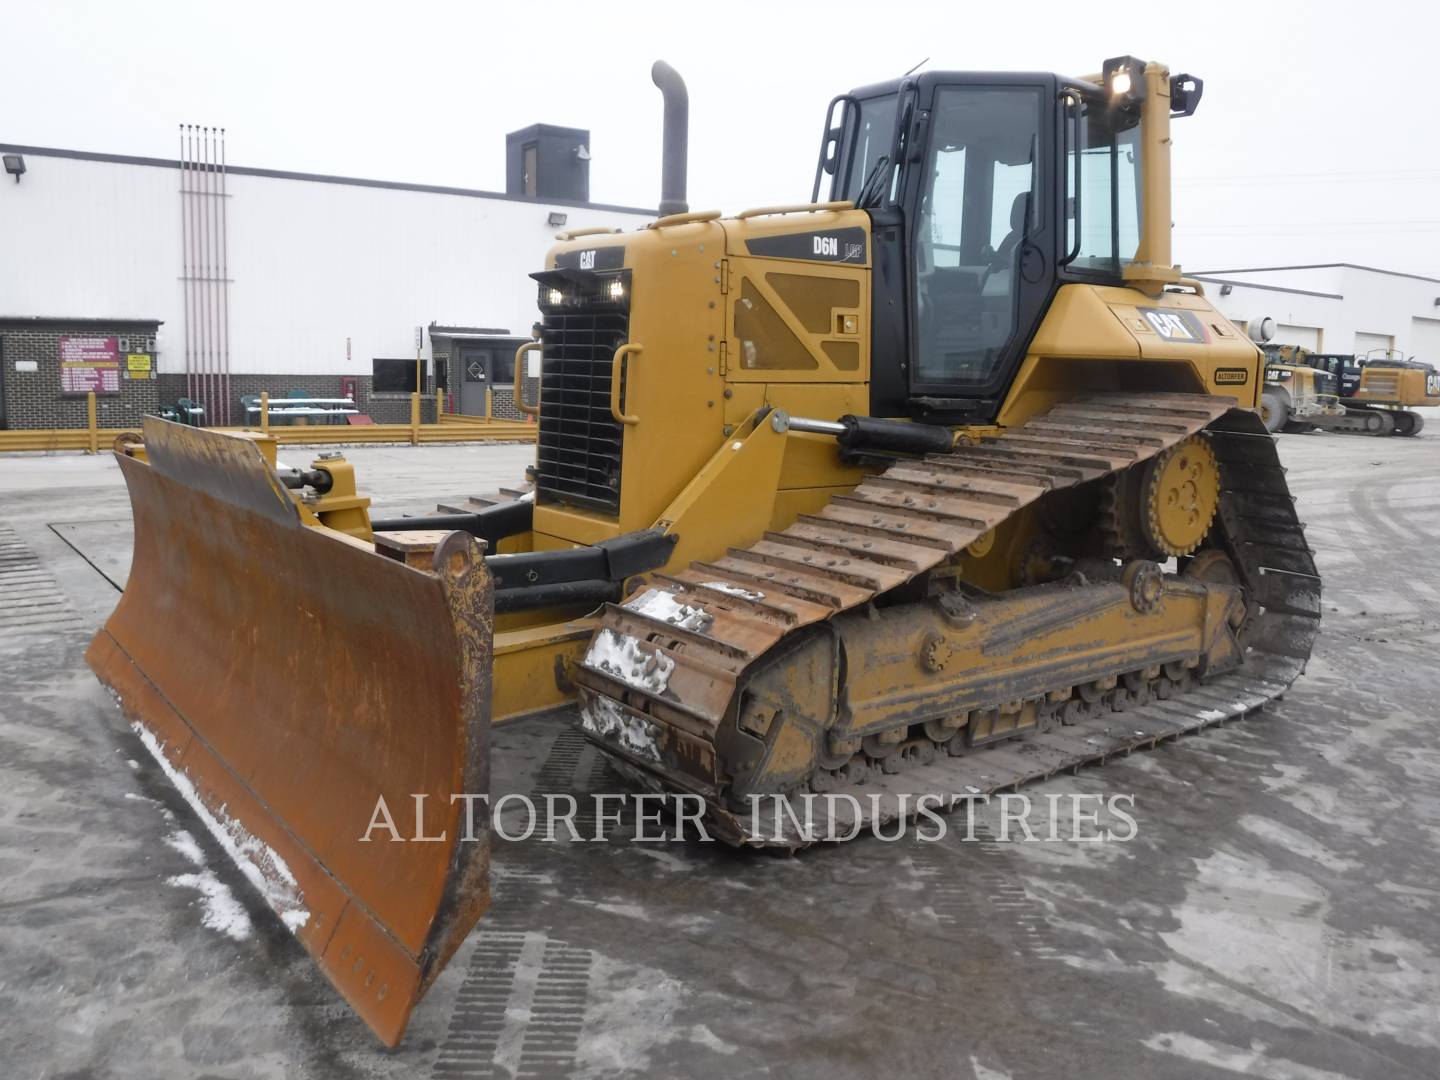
730 499
797 283
1398 386
798 292
809 460
1106 338
1080 324
802 325
813 461
673 387
529 668
802 236
565 526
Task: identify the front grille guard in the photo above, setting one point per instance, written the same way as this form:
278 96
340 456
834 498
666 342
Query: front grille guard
579 448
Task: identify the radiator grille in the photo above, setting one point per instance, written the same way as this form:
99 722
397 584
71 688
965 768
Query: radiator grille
578 460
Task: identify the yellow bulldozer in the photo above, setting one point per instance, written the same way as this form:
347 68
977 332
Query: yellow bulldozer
1298 396
917 486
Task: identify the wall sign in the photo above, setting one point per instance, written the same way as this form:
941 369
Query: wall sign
139 366
89 363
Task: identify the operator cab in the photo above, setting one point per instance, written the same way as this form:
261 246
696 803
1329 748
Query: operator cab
1345 369
986 192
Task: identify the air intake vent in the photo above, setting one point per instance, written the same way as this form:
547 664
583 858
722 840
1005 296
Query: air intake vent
579 447
1387 385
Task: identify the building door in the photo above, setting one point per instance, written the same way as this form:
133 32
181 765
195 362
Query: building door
476 370
1375 346
1307 337
1425 339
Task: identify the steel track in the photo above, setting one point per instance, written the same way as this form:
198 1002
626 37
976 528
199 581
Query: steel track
894 527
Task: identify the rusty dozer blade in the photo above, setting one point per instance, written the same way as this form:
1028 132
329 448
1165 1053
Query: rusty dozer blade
288 678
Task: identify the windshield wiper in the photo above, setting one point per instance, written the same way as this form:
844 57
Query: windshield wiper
874 183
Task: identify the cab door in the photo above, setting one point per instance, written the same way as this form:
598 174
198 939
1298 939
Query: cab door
980 197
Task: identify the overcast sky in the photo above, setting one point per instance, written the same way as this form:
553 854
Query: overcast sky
1317 140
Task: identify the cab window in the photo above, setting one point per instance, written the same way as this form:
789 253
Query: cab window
1103 223
979 203
874 130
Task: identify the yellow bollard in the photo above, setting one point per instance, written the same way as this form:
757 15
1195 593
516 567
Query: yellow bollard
265 412
90 422
415 419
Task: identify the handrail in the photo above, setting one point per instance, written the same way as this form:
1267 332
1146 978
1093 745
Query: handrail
683 219
528 410
589 230
617 368
796 208
833 141
1067 151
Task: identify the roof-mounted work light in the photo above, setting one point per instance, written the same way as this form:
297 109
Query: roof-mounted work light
1124 78
1185 92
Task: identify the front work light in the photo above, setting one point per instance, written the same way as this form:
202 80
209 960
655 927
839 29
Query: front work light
1125 79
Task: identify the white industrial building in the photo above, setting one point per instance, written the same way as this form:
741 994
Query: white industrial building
1335 307
287 282
189 281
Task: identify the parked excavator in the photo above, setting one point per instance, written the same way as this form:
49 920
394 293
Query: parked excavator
1363 395
942 481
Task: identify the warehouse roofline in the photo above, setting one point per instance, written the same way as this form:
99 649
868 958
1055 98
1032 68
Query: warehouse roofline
11 322
321 178
472 331
1265 288
1319 266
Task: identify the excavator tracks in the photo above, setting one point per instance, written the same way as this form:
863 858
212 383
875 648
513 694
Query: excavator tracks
666 667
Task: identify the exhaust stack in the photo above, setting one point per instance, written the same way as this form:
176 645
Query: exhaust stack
675 152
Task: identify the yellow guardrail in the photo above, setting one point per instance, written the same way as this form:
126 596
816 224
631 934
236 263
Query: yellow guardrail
452 428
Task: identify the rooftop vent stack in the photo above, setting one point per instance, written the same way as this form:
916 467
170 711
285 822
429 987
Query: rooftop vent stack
205 269
675 152
547 162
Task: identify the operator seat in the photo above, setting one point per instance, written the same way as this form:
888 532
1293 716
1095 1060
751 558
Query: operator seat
1006 251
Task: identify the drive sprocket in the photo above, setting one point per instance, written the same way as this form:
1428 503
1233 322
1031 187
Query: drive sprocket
1182 493
1164 507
